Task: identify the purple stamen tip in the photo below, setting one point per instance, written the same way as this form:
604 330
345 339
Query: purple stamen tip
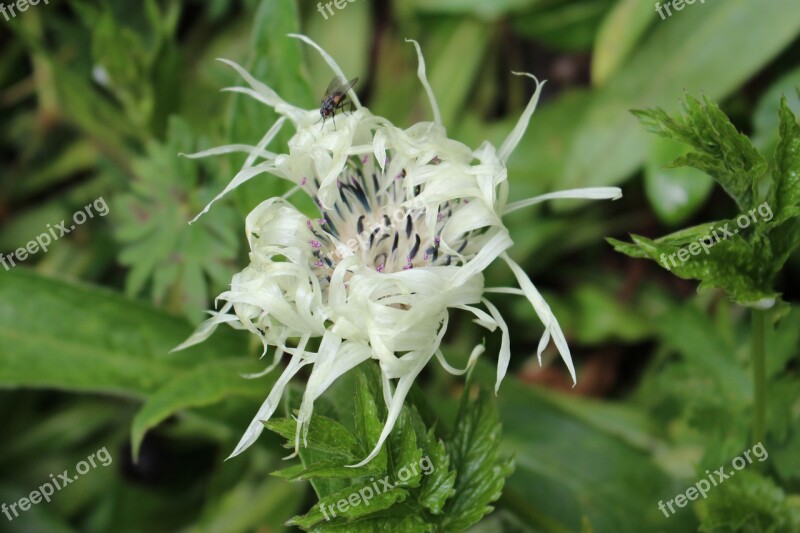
303 181
364 160
315 244
380 267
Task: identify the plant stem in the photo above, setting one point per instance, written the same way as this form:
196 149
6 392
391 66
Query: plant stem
759 376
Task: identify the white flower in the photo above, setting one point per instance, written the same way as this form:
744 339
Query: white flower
409 220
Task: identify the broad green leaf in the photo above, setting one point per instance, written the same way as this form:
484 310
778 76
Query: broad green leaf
347 37
609 146
205 385
276 60
483 10
368 424
569 469
567 25
619 33
452 80
79 338
249 505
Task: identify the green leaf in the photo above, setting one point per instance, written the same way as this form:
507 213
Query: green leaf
277 60
368 425
765 121
744 262
675 193
741 268
404 452
750 502
205 385
719 149
481 474
439 485
483 10
609 147
324 435
166 254
631 250
79 338
785 196
571 464
689 331
350 503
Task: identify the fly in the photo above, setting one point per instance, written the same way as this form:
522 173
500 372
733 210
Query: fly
335 98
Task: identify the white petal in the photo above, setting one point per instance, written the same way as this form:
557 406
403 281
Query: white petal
271 403
276 359
230 149
247 171
488 253
423 78
263 93
476 352
545 314
331 63
519 130
504 357
241 177
394 408
208 327
588 193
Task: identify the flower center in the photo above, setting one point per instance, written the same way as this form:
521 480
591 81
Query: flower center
376 218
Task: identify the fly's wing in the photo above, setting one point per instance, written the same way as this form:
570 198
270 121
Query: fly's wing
339 86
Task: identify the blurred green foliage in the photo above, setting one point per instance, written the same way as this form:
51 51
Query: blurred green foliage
99 97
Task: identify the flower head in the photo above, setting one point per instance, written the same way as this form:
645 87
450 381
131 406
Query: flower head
408 220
